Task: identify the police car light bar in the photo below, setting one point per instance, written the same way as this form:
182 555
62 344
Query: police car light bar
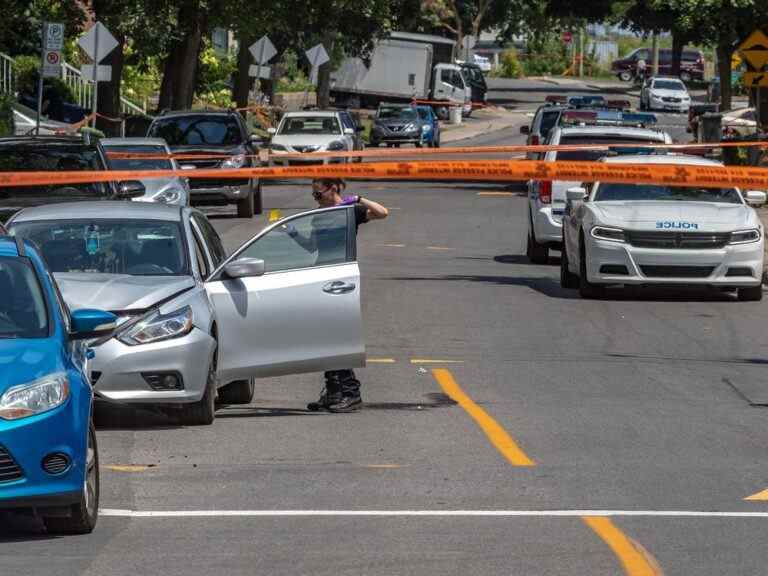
555 99
640 118
586 101
618 104
578 117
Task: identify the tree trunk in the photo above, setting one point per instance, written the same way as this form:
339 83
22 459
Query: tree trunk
724 53
188 53
324 76
242 84
165 102
678 42
109 92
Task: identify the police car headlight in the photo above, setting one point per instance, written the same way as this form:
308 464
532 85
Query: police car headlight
745 236
605 233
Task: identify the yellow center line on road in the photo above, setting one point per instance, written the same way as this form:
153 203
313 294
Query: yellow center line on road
394 245
759 497
127 467
635 559
381 361
443 248
496 194
495 433
274 215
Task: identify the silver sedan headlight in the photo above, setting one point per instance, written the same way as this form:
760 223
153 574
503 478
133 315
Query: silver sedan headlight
607 233
156 327
745 236
170 196
336 146
35 397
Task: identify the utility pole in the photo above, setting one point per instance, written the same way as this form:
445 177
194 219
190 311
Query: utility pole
581 51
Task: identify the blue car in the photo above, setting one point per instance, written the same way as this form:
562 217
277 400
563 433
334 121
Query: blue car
430 126
48 454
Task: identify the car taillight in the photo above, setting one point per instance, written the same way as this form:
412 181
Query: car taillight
545 191
534 140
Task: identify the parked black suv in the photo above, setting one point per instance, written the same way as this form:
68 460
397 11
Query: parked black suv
207 133
56 154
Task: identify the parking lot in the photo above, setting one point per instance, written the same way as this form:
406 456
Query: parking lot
509 426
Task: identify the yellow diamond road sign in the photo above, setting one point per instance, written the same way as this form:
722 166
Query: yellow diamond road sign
755 50
755 79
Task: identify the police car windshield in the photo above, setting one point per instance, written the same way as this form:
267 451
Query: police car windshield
22 311
133 247
654 193
594 155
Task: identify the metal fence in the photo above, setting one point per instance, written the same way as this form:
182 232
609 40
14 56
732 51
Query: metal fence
6 74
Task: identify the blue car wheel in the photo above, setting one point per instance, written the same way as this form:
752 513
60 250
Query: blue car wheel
82 516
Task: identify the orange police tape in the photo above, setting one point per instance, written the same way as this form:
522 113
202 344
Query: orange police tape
486 170
399 152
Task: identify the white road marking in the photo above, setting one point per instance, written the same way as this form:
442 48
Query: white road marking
429 513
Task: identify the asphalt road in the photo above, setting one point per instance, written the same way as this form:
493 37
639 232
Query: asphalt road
571 410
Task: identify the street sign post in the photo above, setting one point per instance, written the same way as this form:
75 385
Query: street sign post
50 61
263 51
97 43
317 56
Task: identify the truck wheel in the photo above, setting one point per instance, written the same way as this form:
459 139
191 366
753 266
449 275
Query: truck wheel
685 76
245 207
442 112
625 76
238 392
751 294
83 515
258 206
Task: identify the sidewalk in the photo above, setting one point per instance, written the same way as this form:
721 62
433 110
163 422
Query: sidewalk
481 122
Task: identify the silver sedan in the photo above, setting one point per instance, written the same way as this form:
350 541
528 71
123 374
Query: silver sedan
194 323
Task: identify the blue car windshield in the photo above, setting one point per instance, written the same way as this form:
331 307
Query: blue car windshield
23 313
133 247
655 193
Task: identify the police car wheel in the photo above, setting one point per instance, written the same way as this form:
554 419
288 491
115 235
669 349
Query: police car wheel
568 279
751 294
586 288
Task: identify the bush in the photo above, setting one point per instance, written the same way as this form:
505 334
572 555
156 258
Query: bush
6 115
547 55
509 65
214 77
27 69
293 78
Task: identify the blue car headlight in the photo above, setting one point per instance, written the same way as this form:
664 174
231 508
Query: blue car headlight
426 128
35 397
156 327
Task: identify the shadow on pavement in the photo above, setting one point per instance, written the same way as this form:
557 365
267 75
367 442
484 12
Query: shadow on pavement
546 286
111 416
511 259
16 527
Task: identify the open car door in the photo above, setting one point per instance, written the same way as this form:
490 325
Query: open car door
288 301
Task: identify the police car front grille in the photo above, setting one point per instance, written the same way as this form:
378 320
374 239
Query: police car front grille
677 271
9 470
678 240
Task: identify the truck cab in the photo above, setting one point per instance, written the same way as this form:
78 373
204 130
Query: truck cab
448 84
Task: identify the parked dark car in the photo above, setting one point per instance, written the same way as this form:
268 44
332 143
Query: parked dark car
56 154
691 64
396 124
208 133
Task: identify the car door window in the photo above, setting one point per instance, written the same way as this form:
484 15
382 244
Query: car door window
346 121
211 239
306 241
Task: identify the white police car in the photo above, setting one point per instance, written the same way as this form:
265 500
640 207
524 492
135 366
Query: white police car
546 198
644 234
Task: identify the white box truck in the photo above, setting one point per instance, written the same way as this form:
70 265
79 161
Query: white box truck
403 68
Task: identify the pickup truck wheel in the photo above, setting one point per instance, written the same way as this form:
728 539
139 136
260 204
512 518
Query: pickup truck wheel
442 112
258 206
83 515
625 76
685 76
751 294
245 207
238 392
586 288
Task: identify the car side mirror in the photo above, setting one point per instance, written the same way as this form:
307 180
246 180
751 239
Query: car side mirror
271 131
576 194
130 189
755 197
245 268
525 129
256 140
349 131
87 323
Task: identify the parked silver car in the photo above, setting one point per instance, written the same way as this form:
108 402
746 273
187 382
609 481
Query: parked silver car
174 190
193 321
